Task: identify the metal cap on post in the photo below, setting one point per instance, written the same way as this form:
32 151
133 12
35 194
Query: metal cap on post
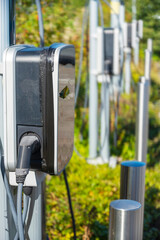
124 221
133 185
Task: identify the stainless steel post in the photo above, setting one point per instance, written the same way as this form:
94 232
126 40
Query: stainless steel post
35 224
115 23
142 108
142 120
133 181
148 58
136 51
122 20
7 37
134 10
105 117
93 90
149 44
133 184
127 70
124 221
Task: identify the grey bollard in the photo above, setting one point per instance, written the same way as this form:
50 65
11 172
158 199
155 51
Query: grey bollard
133 184
124 220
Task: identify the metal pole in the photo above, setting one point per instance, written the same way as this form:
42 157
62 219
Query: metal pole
7 37
149 45
133 184
136 51
127 70
122 20
115 23
35 224
142 108
142 120
105 113
93 91
124 220
134 11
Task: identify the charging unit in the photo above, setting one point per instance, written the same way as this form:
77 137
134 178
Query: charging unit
111 51
140 29
39 91
129 34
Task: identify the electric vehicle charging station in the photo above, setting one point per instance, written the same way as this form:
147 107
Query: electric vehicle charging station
39 85
108 51
112 51
38 114
108 64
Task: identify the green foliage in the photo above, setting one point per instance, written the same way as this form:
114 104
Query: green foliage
92 189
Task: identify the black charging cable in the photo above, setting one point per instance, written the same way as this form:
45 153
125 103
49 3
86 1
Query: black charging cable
29 145
70 204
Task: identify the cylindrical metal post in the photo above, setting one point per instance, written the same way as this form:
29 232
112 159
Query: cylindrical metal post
149 44
133 181
134 11
136 51
93 91
133 184
122 20
7 37
105 117
142 120
35 225
115 23
127 70
147 71
124 221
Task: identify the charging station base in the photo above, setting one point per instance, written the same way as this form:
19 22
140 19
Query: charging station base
99 161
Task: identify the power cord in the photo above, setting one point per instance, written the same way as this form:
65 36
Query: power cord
40 21
70 203
26 193
29 145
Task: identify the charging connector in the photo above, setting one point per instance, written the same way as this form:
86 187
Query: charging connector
29 145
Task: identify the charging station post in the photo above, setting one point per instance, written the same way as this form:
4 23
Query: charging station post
142 110
115 23
134 11
93 89
127 70
7 37
121 21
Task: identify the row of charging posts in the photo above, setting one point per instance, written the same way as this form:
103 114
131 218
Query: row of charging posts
124 214
127 214
39 90
109 64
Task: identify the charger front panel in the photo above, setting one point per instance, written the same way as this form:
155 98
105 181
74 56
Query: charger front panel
43 95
